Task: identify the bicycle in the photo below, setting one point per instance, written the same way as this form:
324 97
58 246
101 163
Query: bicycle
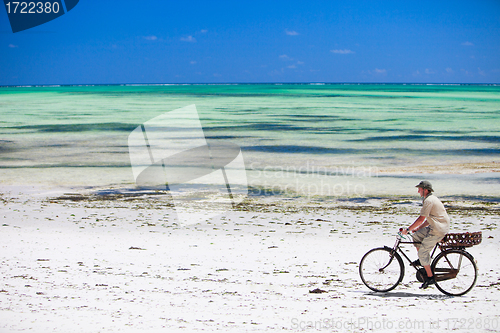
455 271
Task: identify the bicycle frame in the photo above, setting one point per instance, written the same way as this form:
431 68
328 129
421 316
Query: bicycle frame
440 274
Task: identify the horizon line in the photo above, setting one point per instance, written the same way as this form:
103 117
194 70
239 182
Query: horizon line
245 83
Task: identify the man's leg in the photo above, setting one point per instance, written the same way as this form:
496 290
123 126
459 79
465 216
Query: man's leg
428 244
428 270
418 236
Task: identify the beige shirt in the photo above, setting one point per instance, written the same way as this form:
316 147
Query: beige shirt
433 209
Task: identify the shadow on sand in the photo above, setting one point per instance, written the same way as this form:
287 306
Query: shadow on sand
400 294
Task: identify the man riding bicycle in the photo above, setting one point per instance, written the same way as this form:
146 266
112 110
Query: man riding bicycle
428 229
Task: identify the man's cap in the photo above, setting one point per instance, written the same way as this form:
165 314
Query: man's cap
426 185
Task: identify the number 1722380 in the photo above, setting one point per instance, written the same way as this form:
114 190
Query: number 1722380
471 323
32 7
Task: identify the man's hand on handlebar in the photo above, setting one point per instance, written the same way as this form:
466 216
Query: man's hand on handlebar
404 231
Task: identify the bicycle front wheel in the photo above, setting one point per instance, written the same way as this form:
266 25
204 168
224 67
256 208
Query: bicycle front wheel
455 272
381 269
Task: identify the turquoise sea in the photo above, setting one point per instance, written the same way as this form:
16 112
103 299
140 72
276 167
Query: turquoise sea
297 139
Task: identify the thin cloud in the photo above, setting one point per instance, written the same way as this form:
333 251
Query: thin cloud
467 44
193 62
428 71
291 32
285 57
377 71
345 51
449 70
277 72
150 37
12 46
298 63
204 31
189 39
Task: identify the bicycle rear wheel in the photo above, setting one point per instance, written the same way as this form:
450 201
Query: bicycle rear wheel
455 272
381 269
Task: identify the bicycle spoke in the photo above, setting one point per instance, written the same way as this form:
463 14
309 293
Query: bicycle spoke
455 272
381 270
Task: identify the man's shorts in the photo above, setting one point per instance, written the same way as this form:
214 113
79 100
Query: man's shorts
428 241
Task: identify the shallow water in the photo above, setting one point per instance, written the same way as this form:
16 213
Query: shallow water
312 140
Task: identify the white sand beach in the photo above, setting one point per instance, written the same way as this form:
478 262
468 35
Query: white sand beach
81 263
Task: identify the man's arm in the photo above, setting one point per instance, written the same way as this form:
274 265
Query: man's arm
419 223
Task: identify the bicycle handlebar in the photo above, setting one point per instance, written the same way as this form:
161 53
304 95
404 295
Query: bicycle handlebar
400 234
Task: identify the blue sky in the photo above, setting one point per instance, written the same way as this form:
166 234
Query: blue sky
153 41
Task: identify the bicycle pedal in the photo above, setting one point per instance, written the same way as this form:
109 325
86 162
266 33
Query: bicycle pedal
421 275
428 282
416 263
